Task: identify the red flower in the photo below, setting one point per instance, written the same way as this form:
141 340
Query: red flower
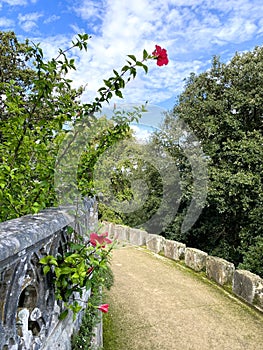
104 308
102 239
161 55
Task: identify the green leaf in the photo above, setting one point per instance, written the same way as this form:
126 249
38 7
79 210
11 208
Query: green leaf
63 315
145 68
46 269
132 57
66 270
145 54
46 260
118 93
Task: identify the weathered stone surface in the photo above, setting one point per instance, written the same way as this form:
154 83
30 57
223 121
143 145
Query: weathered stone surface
121 233
60 338
155 243
174 250
137 237
97 339
19 234
219 270
248 286
195 259
28 309
108 227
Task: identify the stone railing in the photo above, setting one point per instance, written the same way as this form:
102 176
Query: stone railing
28 309
244 284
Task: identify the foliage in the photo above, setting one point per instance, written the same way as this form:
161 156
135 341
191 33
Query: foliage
78 269
104 135
36 100
223 107
129 196
83 338
91 317
253 257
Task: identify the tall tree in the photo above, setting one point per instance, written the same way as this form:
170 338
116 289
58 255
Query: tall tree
224 107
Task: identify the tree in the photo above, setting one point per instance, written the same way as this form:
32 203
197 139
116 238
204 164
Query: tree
223 107
36 100
129 183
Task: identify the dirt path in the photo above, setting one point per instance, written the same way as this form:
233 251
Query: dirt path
157 304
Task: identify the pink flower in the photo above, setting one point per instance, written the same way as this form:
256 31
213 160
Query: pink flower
102 239
104 308
161 55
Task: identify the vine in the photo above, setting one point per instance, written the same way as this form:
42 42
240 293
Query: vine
81 268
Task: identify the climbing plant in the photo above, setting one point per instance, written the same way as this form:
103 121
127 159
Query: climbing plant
36 100
82 267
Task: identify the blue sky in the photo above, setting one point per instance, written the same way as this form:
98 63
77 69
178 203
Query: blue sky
192 31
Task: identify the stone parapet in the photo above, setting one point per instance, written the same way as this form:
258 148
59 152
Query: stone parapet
249 287
121 233
155 243
219 270
29 311
174 250
195 259
244 283
137 237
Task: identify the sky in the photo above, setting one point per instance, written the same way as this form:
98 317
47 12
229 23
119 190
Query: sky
192 32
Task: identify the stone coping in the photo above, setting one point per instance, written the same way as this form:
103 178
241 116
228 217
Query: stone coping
19 234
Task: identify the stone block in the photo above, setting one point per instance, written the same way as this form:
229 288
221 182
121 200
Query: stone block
137 237
111 230
105 227
121 233
155 243
174 250
108 227
249 287
195 259
219 270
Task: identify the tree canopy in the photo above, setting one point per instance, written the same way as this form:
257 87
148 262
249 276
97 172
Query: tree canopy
222 113
224 108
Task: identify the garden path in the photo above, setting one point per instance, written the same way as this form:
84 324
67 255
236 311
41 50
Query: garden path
157 304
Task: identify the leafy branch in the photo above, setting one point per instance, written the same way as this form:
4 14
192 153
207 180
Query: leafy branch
79 269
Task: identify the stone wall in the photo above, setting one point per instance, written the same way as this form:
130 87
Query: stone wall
28 309
244 284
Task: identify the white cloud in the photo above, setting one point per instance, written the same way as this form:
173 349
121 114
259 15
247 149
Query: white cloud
239 30
51 19
141 134
192 31
15 2
6 22
29 21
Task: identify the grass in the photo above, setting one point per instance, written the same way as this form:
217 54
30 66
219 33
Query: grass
110 330
82 339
